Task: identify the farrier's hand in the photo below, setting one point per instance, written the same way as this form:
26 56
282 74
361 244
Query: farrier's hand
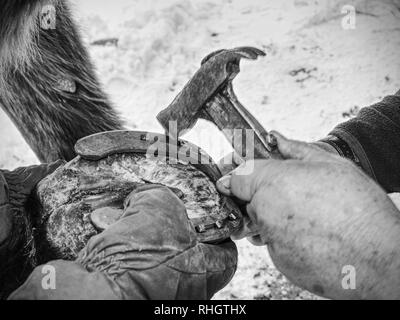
319 213
150 252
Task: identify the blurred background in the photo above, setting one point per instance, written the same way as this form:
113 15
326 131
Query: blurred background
326 59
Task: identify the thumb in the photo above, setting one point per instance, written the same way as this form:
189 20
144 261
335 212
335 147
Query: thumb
229 162
297 150
243 182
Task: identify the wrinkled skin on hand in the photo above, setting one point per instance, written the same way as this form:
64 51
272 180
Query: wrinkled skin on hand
318 213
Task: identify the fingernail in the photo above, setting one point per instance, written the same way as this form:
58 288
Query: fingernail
225 182
237 159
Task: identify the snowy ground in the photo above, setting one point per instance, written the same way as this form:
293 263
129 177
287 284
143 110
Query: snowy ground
316 74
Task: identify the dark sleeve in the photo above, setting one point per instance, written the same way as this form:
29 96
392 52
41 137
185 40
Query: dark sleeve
374 138
5 217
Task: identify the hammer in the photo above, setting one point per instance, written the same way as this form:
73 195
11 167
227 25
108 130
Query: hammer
209 95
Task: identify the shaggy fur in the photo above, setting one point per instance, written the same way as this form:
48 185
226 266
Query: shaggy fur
18 258
47 83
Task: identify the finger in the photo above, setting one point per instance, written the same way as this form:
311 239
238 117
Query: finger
242 177
244 181
154 197
224 185
229 163
298 150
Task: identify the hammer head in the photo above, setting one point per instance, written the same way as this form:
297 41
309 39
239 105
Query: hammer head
218 69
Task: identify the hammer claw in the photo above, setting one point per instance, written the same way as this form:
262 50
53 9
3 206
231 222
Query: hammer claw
249 52
209 95
237 53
